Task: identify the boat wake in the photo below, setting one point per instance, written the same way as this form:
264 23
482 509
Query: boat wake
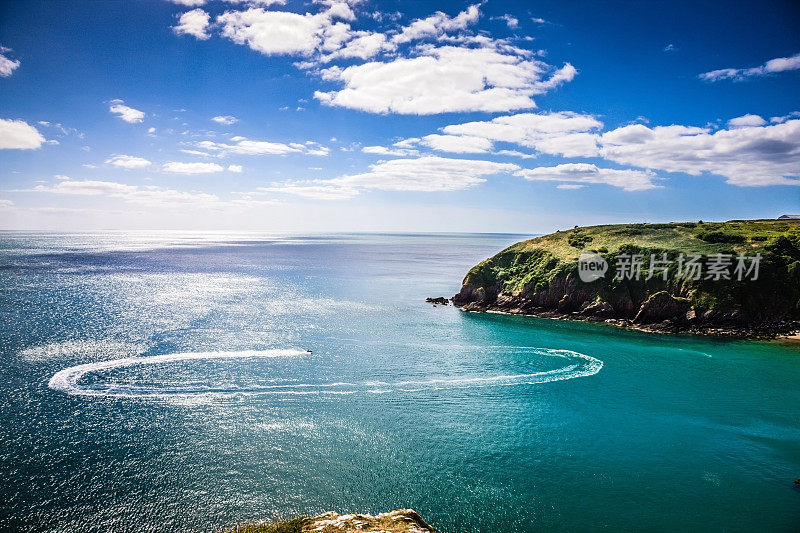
69 380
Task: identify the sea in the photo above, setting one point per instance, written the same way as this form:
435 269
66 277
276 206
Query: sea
180 381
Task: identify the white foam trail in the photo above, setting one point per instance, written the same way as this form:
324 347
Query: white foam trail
67 380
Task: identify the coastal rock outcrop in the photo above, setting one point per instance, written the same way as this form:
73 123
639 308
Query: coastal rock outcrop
726 296
397 521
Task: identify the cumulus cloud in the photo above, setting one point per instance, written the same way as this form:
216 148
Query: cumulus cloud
362 45
457 144
189 3
746 121
394 150
750 152
128 162
235 168
582 173
244 146
429 173
773 66
126 113
565 133
444 79
473 73
437 24
177 167
7 66
284 32
746 156
194 23
19 135
227 120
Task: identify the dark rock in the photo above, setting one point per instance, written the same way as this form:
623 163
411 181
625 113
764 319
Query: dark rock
565 304
599 309
661 306
440 301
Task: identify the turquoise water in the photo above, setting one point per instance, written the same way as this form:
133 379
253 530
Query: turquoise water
160 382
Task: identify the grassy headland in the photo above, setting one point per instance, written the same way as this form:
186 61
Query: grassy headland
540 276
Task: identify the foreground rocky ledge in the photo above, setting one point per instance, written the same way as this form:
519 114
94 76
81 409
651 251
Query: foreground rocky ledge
397 521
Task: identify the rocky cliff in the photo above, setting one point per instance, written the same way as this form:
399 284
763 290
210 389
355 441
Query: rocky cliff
733 278
397 521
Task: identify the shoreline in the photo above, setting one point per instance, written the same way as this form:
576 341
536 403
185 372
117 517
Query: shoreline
788 333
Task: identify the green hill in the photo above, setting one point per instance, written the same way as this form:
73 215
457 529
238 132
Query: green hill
540 276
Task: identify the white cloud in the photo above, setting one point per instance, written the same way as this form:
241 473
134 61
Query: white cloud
457 144
773 66
194 23
314 190
6 204
423 174
565 133
244 146
263 3
583 173
19 135
189 3
363 45
225 119
746 156
746 121
283 32
437 24
784 118
128 162
395 151
176 167
235 168
7 66
128 114
143 195
511 21
444 79
428 174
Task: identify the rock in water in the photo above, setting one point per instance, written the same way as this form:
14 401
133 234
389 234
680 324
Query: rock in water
440 301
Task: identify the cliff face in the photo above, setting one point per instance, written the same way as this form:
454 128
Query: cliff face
541 277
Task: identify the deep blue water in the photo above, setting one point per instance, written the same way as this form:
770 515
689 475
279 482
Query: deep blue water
479 422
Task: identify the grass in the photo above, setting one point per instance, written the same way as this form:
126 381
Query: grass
686 237
531 266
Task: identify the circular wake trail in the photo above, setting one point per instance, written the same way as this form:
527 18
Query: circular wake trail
68 380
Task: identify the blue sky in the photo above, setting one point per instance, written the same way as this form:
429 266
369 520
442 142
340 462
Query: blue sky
400 116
